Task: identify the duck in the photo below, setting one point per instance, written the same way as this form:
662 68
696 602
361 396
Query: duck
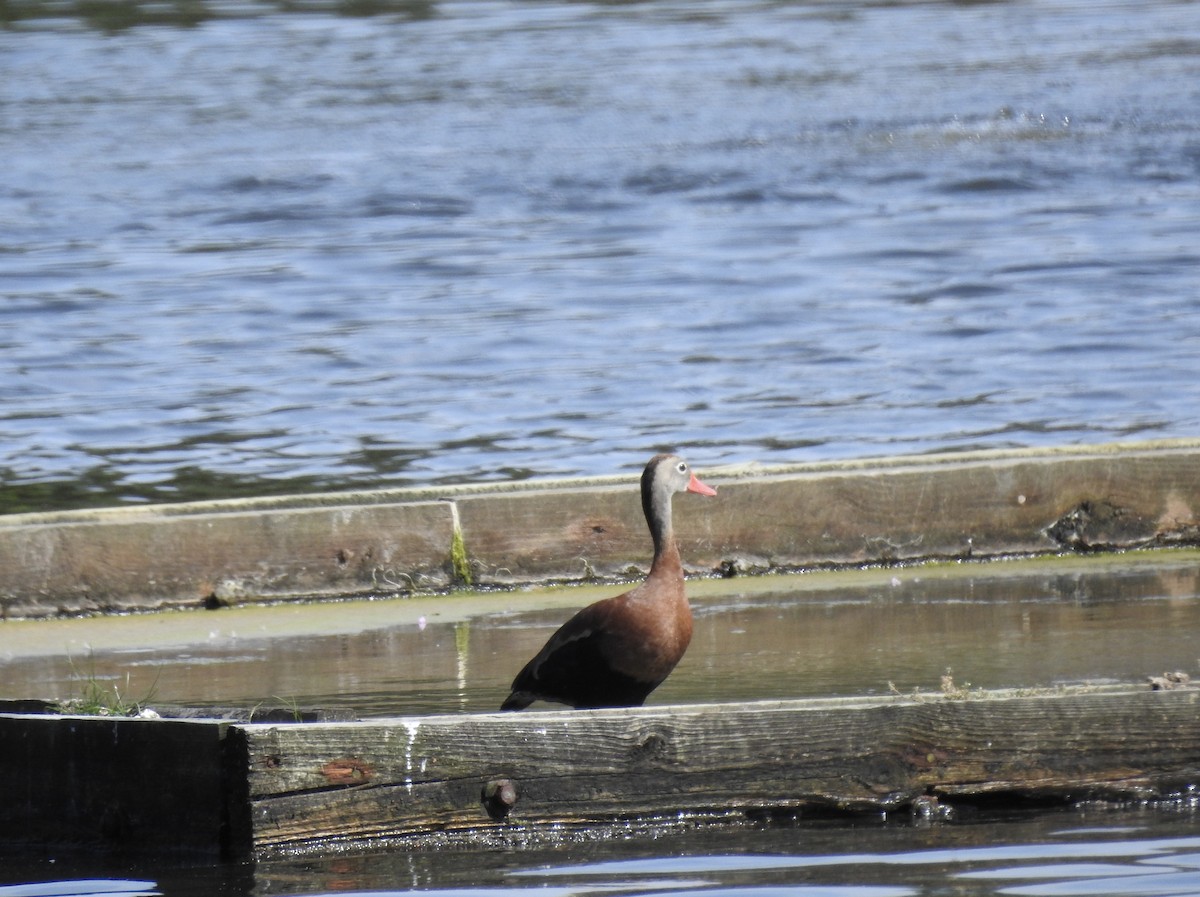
615 652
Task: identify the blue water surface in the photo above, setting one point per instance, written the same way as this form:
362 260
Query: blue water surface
461 241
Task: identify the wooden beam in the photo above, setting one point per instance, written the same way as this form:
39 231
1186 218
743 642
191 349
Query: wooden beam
977 504
154 558
146 787
314 787
219 789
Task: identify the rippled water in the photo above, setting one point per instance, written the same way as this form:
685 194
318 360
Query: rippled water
467 241
1092 851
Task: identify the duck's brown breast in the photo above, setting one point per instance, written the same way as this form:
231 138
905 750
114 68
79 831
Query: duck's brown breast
647 631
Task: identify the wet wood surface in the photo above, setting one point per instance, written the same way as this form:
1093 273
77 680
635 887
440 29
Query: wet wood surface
228 790
148 787
311 787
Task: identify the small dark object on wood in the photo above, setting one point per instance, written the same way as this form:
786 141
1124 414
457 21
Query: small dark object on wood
499 797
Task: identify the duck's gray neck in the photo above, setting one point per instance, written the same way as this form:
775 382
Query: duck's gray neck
656 505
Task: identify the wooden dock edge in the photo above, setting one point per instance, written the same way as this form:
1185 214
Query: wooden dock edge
511 777
146 788
400 541
241 791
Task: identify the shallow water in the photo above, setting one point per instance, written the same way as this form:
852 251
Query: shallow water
1001 625
248 250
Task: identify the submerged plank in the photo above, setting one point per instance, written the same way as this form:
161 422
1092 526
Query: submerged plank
311 788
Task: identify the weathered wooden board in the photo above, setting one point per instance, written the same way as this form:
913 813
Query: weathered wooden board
148 787
155 558
313 787
230 790
879 510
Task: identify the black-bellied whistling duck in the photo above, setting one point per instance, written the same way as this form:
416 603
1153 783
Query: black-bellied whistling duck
615 652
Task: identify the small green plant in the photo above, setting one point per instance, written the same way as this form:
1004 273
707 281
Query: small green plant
99 699
287 705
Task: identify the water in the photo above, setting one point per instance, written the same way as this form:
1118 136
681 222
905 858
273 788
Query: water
1091 851
1011 625
1099 620
245 249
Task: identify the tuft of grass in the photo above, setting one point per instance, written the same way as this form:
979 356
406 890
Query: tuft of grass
287 705
100 699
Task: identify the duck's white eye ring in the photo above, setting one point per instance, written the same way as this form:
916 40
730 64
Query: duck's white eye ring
682 467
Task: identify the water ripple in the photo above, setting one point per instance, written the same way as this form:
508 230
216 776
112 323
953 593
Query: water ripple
407 245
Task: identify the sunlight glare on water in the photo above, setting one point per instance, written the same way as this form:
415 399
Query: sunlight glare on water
1130 852
1095 852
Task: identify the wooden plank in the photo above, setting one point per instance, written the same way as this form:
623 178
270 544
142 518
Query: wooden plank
152 559
974 504
765 518
313 787
147 787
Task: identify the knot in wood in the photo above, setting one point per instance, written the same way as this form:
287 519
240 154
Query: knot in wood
499 797
652 745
